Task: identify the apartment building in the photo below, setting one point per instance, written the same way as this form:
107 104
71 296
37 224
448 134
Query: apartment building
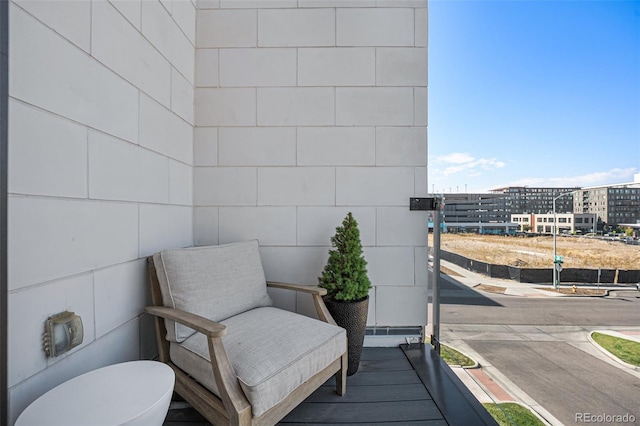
524 199
614 204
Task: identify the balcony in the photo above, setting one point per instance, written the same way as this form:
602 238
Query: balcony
409 384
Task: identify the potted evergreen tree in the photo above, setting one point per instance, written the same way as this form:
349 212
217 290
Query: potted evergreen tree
347 284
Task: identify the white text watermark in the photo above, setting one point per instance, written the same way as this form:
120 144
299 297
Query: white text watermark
603 418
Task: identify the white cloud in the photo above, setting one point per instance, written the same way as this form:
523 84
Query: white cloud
591 179
458 162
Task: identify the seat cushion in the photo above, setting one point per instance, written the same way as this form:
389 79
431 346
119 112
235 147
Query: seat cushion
272 351
215 282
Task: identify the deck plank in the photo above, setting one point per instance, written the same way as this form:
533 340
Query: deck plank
391 388
404 392
364 412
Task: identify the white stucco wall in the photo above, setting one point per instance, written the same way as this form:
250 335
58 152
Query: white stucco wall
306 110
100 174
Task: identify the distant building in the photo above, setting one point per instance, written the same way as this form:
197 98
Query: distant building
568 223
524 199
614 204
475 208
477 213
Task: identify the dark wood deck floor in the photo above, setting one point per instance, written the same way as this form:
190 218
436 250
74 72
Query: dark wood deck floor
391 388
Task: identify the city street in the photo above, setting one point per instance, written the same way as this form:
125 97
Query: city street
538 348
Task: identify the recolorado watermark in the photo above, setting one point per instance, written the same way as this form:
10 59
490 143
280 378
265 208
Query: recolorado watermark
604 418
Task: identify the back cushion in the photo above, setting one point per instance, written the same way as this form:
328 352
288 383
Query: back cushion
215 282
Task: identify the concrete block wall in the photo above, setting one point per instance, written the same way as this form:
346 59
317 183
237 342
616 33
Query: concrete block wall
100 174
306 110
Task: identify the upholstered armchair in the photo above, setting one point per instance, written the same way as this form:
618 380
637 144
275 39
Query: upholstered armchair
238 360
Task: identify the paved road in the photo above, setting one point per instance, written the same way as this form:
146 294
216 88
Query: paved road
541 346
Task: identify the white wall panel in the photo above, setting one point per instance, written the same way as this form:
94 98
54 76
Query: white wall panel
180 183
399 226
182 97
390 265
296 27
270 225
401 306
212 188
205 226
375 27
226 107
297 265
47 71
120 294
376 186
48 153
131 10
422 27
122 171
301 186
257 146
336 146
161 31
401 66
121 47
421 106
336 67
71 19
227 28
184 13
163 227
379 106
296 106
401 146
316 225
55 238
257 67
205 146
206 67
164 132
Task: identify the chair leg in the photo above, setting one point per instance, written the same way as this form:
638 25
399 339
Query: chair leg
341 376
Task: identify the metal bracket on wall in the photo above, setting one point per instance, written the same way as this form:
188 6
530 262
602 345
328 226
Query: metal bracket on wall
417 203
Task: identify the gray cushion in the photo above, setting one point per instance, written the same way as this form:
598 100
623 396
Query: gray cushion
272 351
215 282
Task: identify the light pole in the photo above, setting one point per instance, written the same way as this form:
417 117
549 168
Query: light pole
556 261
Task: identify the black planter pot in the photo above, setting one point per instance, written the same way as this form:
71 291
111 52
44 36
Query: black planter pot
352 316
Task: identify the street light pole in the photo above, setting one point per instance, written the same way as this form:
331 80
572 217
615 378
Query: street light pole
556 264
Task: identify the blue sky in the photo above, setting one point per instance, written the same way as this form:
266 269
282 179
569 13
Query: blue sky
533 93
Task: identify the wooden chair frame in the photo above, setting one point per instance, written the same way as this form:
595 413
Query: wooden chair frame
232 407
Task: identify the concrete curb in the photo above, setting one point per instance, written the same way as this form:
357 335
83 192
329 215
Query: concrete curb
476 364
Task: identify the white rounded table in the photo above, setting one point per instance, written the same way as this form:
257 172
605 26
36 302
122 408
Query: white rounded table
131 393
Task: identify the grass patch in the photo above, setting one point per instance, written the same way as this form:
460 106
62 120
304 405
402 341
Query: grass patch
627 350
453 357
508 414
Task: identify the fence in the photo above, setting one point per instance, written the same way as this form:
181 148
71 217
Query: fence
543 275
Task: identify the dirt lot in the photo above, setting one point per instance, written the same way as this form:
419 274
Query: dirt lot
537 252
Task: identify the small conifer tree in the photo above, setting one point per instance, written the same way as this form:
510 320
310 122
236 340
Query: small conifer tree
345 275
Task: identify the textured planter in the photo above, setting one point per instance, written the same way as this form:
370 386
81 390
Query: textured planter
352 316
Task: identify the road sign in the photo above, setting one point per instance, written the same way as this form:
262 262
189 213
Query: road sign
558 259
558 267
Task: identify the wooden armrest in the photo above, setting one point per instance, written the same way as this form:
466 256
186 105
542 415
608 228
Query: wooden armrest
315 291
311 289
198 323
